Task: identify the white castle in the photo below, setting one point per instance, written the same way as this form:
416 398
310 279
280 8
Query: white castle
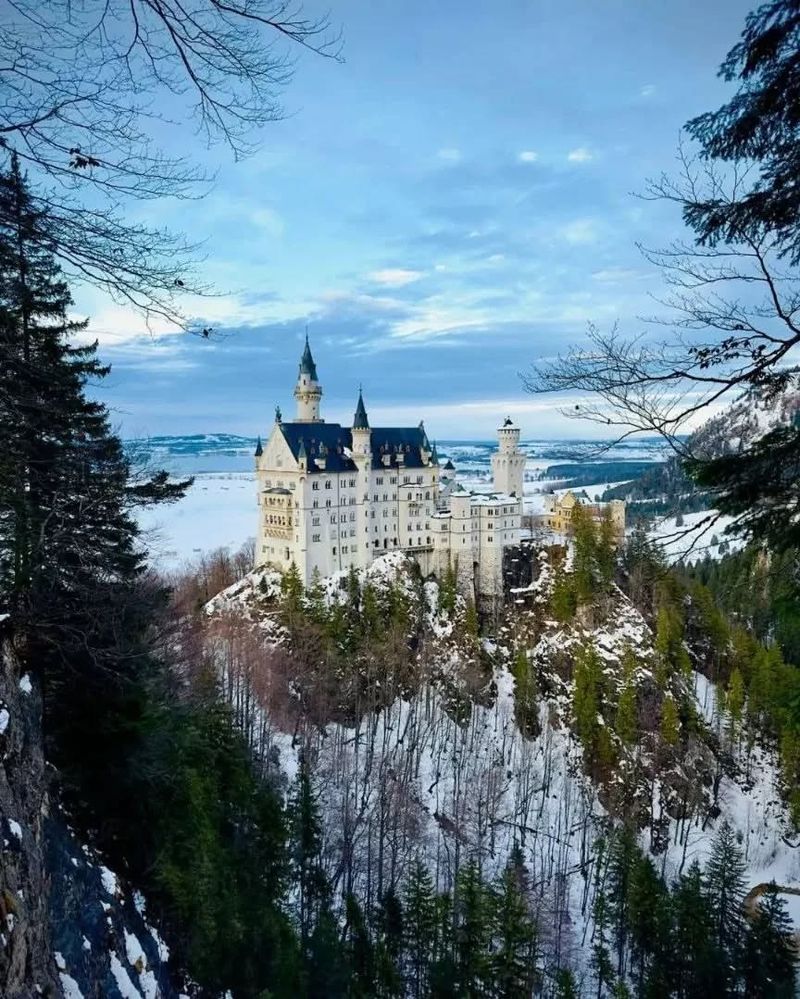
331 497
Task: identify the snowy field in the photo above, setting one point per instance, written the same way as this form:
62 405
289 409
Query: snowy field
701 534
218 511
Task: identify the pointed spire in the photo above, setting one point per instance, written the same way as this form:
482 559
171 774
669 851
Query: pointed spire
360 421
278 415
307 365
301 451
434 455
259 448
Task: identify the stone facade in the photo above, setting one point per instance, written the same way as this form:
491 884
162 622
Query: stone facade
556 514
331 497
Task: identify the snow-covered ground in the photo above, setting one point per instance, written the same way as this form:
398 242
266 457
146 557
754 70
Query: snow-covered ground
218 511
701 534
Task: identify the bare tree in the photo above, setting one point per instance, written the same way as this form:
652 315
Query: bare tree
731 321
93 94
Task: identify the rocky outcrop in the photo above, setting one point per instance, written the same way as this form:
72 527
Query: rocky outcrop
27 966
68 926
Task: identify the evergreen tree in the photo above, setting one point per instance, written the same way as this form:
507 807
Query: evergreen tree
389 937
420 927
697 960
586 695
724 886
670 724
770 958
649 916
313 890
471 931
514 937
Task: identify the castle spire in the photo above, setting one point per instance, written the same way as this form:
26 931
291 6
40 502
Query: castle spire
307 365
308 390
360 421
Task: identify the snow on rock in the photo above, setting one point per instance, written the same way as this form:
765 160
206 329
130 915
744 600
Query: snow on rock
25 684
69 986
126 987
5 718
15 829
110 881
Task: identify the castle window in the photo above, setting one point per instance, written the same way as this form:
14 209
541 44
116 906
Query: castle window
385 497
315 537
490 537
328 483
334 549
375 497
352 482
379 480
344 549
315 485
315 503
333 518
327 503
393 479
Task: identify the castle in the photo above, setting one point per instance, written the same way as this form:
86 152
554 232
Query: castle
555 516
332 497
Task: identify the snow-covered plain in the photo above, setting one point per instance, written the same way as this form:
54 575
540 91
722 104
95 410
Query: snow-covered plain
701 534
218 511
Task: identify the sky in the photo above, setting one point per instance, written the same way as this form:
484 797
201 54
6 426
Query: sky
448 206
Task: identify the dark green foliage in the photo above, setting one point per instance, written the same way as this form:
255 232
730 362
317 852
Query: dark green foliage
759 124
513 934
770 956
471 932
759 487
419 931
724 888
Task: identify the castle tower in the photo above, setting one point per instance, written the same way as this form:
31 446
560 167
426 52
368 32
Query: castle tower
362 456
308 390
361 432
508 462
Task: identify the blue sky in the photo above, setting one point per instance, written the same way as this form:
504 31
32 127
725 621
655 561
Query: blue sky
450 204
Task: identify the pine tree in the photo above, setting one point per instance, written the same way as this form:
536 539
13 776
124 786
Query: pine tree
389 937
734 700
697 961
586 695
563 602
420 928
584 563
670 723
649 917
565 984
514 938
312 885
724 886
770 959
471 931
359 949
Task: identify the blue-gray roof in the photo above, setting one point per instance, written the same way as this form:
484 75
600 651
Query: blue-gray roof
331 440
360 421
307 366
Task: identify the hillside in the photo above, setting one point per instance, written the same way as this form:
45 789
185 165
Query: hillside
442 746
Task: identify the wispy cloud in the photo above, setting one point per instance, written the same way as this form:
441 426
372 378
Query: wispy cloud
395 277
580 231
528 156
648 90
580 155
449 155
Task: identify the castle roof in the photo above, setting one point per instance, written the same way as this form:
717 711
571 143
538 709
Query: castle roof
259 449
334 442
360 421
307 366
449 466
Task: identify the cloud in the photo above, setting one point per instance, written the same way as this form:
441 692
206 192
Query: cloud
395 277
579 232
268 220
647 91
580 155
528 156
449 155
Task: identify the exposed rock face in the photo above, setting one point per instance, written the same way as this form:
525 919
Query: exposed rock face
27 966
68 926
